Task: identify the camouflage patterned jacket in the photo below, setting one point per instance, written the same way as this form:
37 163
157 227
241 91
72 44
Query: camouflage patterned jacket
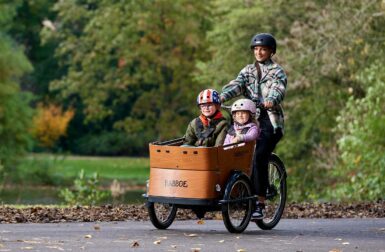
212 135
271 87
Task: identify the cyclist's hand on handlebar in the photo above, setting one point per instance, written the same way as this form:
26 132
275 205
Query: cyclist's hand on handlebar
268 104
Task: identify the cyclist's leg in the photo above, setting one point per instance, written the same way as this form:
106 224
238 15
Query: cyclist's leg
261 156
264 147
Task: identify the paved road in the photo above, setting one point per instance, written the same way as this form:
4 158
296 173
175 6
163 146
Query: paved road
290 235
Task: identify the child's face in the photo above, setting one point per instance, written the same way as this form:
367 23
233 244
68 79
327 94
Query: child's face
241 117
262 53
208 109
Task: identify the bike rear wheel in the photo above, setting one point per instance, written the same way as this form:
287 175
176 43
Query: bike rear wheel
276 194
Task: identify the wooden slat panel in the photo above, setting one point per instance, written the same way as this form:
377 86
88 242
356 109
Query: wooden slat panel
236 158
184 158
183 183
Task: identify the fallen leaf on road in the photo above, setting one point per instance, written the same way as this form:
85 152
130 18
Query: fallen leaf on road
97 227
335 250
382 229
338 239
26 248
32 242
237 237
135 244
218 216
241 250
195 249
88 236
190 235
345 243
157 242
200 222
221 241
55 247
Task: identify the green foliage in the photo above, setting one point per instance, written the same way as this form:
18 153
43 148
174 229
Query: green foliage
29 16
323 62
130 63
132 70
7 12
85 191
15 114
321 45
359 176
33 170
112 143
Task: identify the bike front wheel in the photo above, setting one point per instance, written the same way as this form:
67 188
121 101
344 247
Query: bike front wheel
237 206
161 215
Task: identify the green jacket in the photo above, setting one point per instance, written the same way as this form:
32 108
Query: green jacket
196 133
271 87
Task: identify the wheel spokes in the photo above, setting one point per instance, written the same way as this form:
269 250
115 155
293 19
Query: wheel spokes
163 211
238 209
272 204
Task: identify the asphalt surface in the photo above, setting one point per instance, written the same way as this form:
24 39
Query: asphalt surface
289 235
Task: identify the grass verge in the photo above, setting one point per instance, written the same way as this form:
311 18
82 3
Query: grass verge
61 170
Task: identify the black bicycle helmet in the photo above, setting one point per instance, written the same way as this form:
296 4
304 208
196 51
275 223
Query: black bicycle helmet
264 39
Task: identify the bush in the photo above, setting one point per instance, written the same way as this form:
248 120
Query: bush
39 171
50 123
111 144
359 176
85 191
15 113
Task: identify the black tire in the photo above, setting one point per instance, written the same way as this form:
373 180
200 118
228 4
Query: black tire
237 213
161 215
276 194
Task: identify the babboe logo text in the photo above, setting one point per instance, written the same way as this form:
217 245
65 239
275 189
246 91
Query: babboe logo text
175 183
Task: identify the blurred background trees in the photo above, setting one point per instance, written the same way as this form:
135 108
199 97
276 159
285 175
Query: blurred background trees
49 124
323 46
130 71
128 68
15 112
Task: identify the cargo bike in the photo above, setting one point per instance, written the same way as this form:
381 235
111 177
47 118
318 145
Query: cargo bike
211 179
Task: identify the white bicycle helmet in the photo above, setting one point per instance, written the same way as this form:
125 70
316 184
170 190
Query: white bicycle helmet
244 105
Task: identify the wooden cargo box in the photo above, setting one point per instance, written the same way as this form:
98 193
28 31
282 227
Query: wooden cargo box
195 173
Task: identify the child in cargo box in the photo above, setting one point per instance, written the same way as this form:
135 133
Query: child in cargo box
245 127
210 128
